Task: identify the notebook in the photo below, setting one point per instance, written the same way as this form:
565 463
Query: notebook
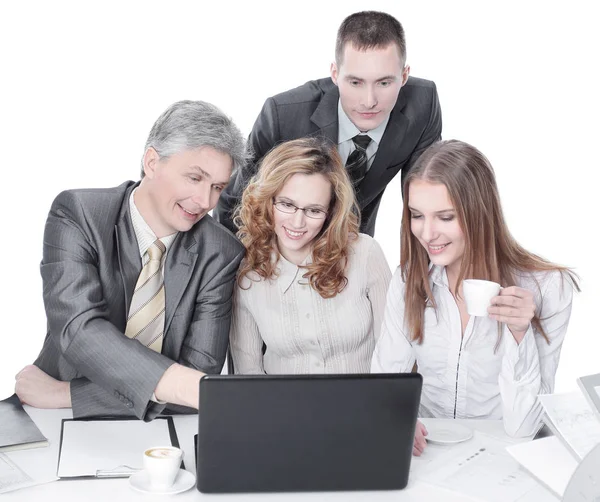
17 430
572 420
306 432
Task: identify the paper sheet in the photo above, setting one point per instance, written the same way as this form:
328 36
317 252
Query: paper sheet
12 476
548 460
39 464
90 446
572 417
481 468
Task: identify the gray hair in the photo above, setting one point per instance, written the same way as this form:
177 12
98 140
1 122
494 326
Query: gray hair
187 125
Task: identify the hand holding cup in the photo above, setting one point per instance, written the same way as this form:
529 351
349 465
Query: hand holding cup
515 307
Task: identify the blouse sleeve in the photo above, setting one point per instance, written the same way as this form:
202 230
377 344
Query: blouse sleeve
378 280
529 368
244 337
393 352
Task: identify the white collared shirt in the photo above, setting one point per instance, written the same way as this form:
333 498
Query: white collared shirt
463 377
347 130
304 332
144 234
145 237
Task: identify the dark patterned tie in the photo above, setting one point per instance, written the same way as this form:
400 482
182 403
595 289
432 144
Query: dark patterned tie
357 160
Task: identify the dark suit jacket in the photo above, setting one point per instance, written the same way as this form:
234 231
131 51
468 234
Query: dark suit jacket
89 269
311 109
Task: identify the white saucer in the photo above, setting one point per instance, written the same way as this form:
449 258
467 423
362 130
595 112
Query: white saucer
445 431
184 481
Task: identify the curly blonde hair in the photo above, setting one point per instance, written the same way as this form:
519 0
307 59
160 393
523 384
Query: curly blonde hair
254 216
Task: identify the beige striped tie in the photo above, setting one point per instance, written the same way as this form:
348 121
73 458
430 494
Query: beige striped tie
146 320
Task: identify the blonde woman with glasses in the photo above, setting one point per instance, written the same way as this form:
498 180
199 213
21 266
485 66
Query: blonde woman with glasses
311 289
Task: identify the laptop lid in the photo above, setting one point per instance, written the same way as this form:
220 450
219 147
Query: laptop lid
306 432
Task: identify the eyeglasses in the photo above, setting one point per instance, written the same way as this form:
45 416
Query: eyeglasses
310 212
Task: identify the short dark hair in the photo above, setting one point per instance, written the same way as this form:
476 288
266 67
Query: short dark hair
369 30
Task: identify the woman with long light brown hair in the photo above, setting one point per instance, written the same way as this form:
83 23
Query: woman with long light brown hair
310 287
473 367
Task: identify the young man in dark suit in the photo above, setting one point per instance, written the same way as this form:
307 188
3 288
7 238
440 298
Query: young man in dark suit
380 118
138 278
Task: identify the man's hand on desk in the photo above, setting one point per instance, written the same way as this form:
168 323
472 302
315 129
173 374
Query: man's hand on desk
38 389
179 385
420 442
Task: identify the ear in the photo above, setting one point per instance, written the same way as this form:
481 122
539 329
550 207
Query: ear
334 72
151 159
405 74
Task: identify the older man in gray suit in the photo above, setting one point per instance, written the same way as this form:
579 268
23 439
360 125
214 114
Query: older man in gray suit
380 118
138 278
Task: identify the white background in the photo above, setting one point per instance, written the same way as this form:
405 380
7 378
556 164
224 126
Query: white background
81 83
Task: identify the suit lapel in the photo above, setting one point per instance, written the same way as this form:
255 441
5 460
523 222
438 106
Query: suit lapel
128 252
325 117
179 264
387 153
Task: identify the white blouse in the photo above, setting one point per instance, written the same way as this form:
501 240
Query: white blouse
304 332
463 377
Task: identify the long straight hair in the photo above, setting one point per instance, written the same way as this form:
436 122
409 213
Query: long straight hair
491 253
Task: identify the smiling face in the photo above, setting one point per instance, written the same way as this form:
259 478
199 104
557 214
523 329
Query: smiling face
296 231
176 192
434 223
369 82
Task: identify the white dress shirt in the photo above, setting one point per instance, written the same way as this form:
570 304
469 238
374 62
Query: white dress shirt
463 377
304 332
145 237
144 234
347 130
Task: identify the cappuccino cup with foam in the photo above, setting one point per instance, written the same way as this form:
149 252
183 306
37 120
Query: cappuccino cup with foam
162 464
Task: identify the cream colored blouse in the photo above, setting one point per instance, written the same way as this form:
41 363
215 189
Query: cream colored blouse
303 332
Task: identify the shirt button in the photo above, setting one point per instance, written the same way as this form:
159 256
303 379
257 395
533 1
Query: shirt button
308 316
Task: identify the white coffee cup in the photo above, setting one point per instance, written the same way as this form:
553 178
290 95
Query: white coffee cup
162 464
478 295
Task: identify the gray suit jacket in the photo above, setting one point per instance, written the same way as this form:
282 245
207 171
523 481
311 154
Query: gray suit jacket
89 269
312 109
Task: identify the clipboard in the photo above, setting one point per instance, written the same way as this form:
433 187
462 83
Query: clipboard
590 386
98 448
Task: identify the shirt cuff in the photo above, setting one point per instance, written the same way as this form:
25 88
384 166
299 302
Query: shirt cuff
519 358
154 398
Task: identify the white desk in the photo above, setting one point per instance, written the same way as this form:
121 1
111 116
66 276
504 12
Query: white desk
116 490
